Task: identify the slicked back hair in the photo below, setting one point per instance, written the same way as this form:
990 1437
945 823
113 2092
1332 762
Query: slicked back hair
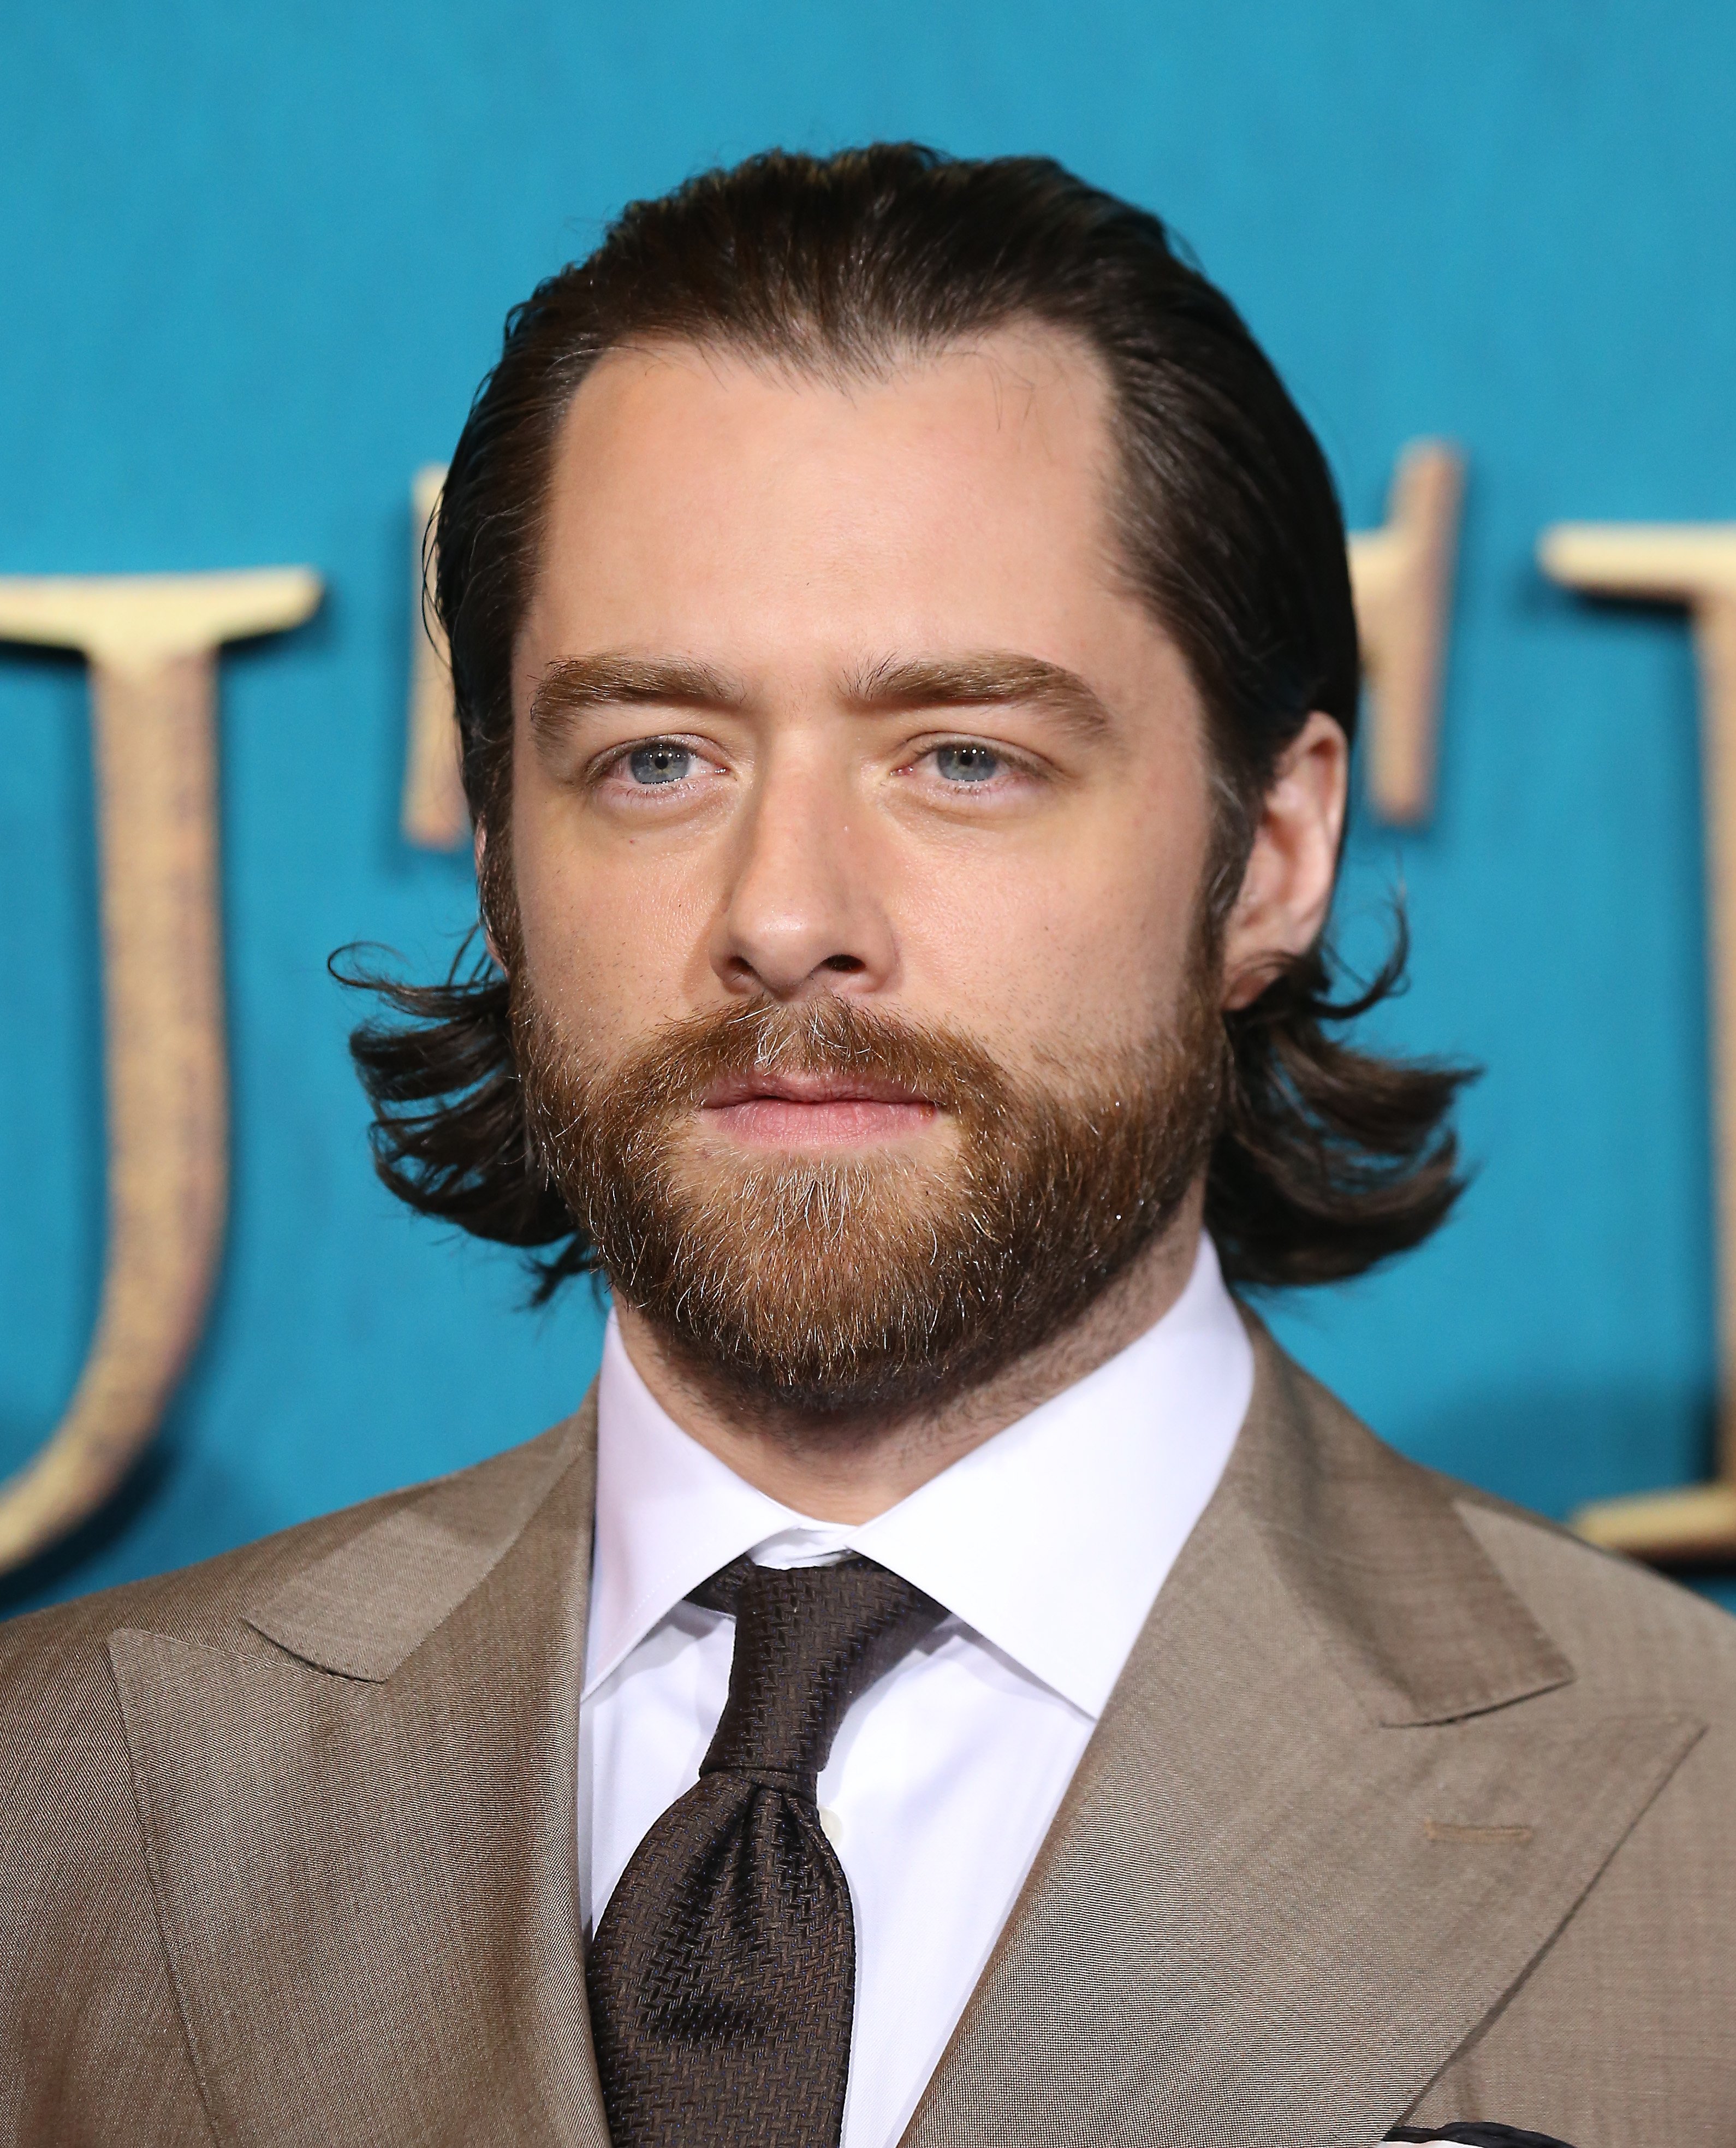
1327 1159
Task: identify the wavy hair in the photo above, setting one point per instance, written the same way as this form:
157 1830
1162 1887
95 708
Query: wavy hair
1328 1158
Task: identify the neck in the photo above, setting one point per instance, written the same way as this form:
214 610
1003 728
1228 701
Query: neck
852 1481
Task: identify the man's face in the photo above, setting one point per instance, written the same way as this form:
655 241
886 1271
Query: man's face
833 713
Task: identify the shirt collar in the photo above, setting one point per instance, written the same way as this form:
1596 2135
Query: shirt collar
1051 1540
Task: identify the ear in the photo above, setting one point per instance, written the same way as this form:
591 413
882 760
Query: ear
1287 888
480 844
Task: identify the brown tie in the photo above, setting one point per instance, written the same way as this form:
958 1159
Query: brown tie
723 1973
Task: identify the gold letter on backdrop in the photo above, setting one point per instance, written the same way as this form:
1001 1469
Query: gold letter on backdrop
1692 564
434 813
151 643
1402 576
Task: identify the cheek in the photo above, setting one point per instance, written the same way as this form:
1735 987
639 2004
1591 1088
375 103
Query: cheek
608 931
1089 947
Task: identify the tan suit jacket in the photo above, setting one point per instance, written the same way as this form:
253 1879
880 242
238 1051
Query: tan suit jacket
1406 1805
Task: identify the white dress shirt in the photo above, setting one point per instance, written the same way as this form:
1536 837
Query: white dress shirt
1046 1544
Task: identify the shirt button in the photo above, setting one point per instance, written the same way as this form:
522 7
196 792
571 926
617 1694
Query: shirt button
831 1826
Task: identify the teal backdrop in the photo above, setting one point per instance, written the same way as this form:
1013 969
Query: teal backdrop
252 262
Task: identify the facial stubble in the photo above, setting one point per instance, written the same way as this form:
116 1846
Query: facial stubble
846 1292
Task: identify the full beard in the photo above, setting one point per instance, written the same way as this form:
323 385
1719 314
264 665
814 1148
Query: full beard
809 1291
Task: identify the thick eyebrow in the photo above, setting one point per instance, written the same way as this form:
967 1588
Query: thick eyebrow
575 683
992 679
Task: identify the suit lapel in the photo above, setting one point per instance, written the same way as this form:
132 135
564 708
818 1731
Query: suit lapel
360 1823
1340 1798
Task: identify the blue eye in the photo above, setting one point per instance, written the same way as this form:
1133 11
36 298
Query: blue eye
966 764
660 762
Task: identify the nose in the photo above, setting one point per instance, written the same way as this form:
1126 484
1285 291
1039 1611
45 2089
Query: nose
801 915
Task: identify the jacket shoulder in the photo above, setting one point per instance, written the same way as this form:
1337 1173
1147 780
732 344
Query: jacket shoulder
1636 1635
1632 1639
75 1883
209 1602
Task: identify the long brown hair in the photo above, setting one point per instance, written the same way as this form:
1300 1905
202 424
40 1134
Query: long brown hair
1327 1158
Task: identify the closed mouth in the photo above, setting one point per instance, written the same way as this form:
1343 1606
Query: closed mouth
768 1109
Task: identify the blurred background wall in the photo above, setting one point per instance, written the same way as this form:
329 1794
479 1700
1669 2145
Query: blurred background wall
252 262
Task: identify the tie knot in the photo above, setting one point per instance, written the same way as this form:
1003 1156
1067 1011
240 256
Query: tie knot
808 1641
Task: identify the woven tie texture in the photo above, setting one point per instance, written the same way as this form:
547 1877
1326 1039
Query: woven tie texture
722 1975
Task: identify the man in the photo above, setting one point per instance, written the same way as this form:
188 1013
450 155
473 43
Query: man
906 666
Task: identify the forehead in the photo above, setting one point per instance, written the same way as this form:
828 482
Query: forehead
685 476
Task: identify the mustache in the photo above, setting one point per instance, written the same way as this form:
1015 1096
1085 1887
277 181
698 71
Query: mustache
687 1059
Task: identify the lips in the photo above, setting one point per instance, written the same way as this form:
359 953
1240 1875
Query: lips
768 1110
809 1089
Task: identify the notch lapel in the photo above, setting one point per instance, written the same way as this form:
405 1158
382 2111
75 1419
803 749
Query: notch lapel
360 1823
1342 1797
